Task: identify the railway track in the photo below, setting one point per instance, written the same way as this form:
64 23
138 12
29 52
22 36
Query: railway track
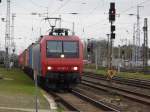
127 81
77 101
131 94
113 100
61 102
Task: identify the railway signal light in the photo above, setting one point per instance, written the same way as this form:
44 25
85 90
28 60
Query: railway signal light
113 28
13 50
90 47
123 52
112 12
113 35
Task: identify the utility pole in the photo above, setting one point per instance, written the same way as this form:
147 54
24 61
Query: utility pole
108 50
89 50
138 54
12 37
73 33
134 48
119 58
0 43
36 89
7 35
96 55
12 31
60 21
145 47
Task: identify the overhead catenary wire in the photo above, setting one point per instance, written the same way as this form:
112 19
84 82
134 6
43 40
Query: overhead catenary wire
36 4
81 22
121 12
91 13
60 7
93 10
135 6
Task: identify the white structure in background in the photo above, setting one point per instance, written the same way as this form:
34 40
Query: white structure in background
149 62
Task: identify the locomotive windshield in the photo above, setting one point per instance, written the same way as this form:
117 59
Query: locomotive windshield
70 49
54 46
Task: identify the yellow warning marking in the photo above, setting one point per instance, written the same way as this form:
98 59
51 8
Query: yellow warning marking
111 73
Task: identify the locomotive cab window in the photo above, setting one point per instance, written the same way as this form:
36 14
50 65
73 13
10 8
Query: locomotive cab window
54 48
69 49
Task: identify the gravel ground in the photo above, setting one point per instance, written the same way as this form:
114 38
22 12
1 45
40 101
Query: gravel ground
125 104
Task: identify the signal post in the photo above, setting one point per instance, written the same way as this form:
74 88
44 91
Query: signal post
112 14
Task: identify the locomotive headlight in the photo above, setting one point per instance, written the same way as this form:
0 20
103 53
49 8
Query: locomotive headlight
62 55
75 68
49 68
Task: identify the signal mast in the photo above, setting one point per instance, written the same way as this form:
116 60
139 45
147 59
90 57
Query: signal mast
112 14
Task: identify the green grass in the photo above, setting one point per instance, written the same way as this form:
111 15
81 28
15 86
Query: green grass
17 90
103 71
100 72
15 80
134 75
93 66
60 109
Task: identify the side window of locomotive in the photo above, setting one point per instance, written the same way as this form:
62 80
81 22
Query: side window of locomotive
70 49
54 48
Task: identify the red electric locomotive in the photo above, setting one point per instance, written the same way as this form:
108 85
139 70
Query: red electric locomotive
57 58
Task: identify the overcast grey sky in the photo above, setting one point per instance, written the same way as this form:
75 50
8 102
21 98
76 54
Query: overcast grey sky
90 22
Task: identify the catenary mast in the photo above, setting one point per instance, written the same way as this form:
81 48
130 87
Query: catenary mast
7 35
